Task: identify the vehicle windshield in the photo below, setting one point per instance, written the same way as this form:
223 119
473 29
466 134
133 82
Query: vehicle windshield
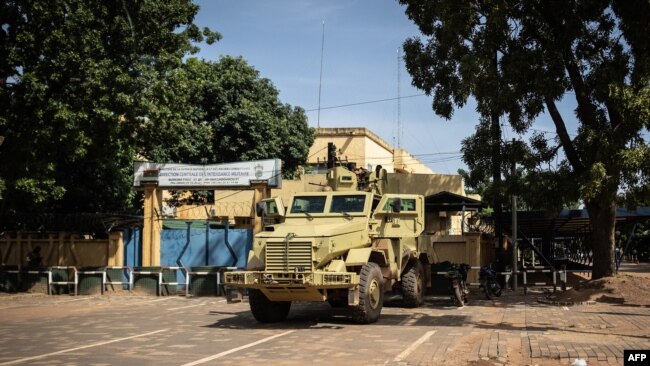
348 204
308 204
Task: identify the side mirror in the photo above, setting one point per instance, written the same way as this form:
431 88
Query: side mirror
260 209
396 205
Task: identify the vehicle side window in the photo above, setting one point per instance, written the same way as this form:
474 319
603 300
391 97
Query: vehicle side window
309 204
407 205
348 204
271 208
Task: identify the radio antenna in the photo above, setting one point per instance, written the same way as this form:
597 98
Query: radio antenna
320 81
399 121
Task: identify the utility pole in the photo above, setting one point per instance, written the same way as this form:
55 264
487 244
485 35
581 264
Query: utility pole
513 170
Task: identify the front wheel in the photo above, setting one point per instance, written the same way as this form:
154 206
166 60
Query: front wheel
487 289
465 293
458 296
265 310
371 295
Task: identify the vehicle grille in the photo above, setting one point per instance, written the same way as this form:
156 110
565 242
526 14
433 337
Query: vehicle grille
298 256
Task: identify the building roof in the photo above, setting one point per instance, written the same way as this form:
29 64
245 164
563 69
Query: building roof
568 223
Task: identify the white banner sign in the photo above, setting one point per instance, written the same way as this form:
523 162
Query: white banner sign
203 176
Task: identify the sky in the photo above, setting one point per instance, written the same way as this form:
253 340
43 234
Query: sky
282 39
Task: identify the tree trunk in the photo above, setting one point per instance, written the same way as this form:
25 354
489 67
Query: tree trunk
602 215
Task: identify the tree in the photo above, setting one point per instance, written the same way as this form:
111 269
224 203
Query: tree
76 79
225 113
249 121
518 59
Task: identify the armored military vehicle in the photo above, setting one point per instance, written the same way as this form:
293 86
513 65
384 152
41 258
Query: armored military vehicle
347 244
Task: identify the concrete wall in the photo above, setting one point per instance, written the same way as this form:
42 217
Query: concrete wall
62 249
425 184
362 146
470 248
409 163
358 145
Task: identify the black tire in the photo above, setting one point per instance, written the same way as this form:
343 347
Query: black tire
458 296
371 295
265 310
465 292
495 288
413 285
487 290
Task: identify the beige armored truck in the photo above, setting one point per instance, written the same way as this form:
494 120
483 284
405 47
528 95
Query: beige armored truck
346 245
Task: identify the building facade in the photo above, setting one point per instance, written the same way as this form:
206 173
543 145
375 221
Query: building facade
361 146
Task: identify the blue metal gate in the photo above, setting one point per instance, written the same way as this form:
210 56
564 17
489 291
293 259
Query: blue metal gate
133 247
199 244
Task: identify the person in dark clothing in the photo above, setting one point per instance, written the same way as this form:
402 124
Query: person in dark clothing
34 258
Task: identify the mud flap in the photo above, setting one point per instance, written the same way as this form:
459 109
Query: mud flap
353 296
234 294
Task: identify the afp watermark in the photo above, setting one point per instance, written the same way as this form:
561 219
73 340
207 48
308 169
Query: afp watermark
636 357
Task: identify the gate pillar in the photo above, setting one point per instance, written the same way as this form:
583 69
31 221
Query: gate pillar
152 225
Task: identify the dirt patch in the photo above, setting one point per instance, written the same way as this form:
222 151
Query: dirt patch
621 289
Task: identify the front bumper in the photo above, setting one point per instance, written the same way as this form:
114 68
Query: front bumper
318 279
295 286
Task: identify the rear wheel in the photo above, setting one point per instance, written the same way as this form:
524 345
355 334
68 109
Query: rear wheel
413 285
371 295
265 310
495 288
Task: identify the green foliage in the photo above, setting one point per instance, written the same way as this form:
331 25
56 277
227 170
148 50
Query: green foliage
224 112
76 76
517 59
248 120
89 86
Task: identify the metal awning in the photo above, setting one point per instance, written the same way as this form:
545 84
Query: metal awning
447 201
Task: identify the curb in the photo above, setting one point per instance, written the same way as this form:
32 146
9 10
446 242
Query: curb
566 303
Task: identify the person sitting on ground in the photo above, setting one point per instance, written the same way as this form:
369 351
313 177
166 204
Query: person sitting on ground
34 257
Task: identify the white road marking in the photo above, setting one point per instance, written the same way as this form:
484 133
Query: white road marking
413 346
184 307
406 321
78 348
149 301
414 319
225 353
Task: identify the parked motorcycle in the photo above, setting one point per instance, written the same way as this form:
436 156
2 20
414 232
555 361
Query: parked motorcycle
488 282
457 275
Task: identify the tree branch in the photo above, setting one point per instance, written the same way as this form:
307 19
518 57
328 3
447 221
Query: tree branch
560 127
586 109
615 117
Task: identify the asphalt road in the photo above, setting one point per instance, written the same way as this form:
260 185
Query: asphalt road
174 330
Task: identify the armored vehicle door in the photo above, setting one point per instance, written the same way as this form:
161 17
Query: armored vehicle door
400 215
271 210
